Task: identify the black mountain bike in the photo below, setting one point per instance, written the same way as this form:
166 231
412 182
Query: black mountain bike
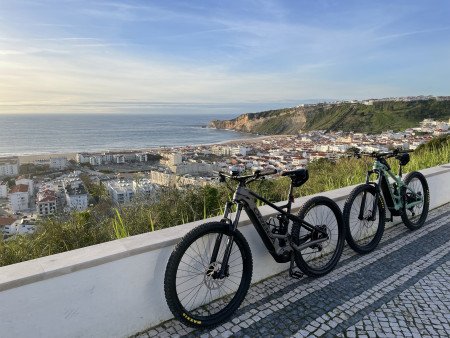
210 270
365 211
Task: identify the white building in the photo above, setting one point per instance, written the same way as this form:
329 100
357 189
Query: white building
141 157
194 168
120 191
338 148
19 198
76 198
9 166
220 150
174 159
171 180
299 162
7 225
59 163
3 189
119 159
25 226
143 186
321 148
238 150
46 202
107 157
28 182
96 160
82 157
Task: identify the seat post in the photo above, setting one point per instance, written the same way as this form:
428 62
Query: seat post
290 197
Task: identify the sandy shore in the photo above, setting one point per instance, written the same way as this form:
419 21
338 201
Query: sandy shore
31 158
72 156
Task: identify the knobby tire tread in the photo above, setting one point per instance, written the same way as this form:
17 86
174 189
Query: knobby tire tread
409 177
299 260
381 216
171 272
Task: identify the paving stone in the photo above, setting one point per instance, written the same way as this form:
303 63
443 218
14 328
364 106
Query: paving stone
412 300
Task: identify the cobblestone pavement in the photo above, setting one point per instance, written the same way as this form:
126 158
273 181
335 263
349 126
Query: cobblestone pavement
400 289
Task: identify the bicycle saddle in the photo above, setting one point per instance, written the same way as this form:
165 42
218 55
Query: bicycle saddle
403 158
298 176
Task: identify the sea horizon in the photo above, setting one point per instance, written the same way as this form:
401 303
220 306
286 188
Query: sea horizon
48 134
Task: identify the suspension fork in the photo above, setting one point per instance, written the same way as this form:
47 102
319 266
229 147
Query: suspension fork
226 220
229 245
377 195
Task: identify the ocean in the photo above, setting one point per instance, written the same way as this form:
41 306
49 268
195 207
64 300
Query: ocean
47 134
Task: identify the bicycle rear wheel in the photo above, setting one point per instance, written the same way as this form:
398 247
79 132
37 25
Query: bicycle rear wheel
416 190
319 259
362 232
194 292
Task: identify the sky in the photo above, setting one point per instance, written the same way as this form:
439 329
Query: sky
94 56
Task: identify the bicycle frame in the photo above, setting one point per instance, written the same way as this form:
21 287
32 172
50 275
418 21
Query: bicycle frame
245 199
393 193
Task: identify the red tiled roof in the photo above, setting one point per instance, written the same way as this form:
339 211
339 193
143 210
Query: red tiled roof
6 221
19 188
49 198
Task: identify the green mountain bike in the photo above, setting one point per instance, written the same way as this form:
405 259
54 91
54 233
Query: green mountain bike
365 208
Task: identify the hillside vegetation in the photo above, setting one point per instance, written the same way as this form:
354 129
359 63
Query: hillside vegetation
357 117
105 222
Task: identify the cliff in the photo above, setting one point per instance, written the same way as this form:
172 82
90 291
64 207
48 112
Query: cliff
357 117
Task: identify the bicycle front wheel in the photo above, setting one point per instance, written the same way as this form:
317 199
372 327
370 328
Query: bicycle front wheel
416 192
363 227
194 291
319 259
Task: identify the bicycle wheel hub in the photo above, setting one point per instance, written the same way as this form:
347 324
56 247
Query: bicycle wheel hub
212 268
211 278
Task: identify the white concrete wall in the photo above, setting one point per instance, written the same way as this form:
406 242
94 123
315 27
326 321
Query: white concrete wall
115 289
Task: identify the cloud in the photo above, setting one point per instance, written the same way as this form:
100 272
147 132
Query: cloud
105 56
411 33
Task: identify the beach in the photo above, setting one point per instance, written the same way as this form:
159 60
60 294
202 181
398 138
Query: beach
24 159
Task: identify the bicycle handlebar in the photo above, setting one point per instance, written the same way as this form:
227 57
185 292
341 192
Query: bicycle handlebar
256 175
385 155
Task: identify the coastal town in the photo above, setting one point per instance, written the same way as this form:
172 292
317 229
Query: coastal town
40 186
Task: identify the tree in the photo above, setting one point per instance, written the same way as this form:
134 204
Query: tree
97 191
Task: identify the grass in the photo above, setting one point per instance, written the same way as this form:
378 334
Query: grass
105 222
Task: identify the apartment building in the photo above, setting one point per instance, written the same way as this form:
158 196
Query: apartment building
3 189
46 202
7 225
59 163
76 197
143 186
19 198
96 160
120 191
9 166
82 158
26 181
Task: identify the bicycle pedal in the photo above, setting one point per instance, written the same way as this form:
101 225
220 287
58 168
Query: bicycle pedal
292 271
295 274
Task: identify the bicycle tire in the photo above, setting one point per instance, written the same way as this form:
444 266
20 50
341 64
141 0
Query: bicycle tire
209 312
363 235
305 259
418 183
